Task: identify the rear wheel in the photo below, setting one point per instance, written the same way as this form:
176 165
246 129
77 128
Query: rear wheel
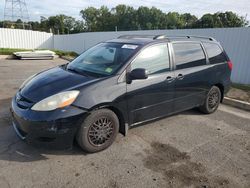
212 101
98 131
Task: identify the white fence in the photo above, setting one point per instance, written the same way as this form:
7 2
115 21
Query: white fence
236 42
26 39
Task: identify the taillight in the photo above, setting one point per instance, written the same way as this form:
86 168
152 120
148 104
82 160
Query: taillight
230 65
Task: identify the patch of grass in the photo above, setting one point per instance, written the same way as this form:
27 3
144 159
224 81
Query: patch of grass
10 51
241 86
60 53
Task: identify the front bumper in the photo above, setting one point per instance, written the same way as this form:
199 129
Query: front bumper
55 129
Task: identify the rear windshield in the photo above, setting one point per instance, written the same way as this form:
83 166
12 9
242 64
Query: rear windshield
103 59
215 53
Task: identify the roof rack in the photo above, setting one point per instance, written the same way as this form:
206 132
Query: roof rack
154 37
193 36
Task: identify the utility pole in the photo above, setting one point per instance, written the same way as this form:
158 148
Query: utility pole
15 10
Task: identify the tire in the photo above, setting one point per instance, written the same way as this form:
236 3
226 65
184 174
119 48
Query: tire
98 131
212 101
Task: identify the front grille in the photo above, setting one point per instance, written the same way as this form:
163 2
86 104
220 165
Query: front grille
23 102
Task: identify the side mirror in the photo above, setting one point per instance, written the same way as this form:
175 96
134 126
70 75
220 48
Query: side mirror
138 74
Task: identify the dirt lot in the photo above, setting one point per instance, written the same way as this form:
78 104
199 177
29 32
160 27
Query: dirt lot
185 150
243 95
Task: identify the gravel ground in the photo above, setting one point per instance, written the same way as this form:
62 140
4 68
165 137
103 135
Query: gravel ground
188 149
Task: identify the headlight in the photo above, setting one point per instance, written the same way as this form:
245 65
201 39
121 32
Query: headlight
59 100
27 80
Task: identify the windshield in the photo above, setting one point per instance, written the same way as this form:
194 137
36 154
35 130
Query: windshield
103 59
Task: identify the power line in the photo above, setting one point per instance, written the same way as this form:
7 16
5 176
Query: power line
16 10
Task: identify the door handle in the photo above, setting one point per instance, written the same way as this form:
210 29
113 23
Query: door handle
170 79
180 76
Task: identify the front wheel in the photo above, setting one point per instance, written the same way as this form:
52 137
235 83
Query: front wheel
98 131
212 101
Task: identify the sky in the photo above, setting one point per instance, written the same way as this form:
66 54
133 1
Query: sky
72 8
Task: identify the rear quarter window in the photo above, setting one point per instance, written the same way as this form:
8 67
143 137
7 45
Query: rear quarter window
188 55
215 53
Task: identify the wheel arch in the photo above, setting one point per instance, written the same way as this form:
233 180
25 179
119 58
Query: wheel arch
123 125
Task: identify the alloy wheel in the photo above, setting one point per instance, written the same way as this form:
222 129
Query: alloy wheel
101 131
213 99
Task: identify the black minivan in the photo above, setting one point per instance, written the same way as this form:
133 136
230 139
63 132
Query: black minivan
118 84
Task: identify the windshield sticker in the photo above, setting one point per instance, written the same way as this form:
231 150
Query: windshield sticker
130 46
109 70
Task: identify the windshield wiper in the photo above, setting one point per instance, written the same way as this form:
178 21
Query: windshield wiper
73 70
77 72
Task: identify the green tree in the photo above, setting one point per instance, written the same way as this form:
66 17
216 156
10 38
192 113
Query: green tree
230 19
59 24
69 24
124 17
90 16
189 20
174 21
105 20
144 18
78 27
206 21
157 18
220 19
36 26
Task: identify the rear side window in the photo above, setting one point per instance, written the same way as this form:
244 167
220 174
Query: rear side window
155 59
214 52
188 55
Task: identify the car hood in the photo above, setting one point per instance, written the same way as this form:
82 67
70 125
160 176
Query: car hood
53 81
